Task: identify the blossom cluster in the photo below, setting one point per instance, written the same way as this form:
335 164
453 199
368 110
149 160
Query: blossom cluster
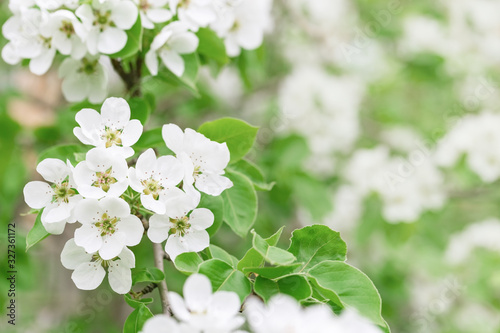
204 311
109 198
88 33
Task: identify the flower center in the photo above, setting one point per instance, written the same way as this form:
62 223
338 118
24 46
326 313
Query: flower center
181 226
196 172
102 19
112 137
144 5
88 66
63 191
104 263
153 187
46 41
107 225
104 180
67 28
184 3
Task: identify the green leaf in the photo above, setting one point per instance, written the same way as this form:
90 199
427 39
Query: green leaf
313 194
253 258
272 272
63 152
340 281
134 41
140 109
212 46
225 277
237 134
216 206
316 243
150 274
190 76
219 253
296 286
136 319
188 262
272 254
240 204
37 233
253 172
150 139
135 303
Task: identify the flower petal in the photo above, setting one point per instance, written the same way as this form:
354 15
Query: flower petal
178 307
37 194
88 237
131 132
197 293
196 240
119 277
88 276
124 14
133 229
201 219
159 227
184 42
213 184
115 112
73 255
173 61
111 40
173 137
53 170
112 245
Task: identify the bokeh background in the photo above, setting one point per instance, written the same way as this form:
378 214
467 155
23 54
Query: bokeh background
378 118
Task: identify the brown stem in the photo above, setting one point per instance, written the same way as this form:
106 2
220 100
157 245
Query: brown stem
159 254
131 79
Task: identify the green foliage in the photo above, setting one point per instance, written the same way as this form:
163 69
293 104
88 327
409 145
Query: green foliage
211 46
150 274
136 303
188 262
140 109
224 277
188 79
63 152
136 319
240 204
293 285
254 173
216 206
37 233
314 244
272 254
237 134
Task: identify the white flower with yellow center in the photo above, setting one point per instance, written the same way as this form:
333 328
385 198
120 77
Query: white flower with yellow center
203 160
67 33
156 179
102 174
112 128
89 269
106 23
183 226
107 226
57 199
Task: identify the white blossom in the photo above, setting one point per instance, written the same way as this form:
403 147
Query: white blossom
89 269
204 160
102 174
183 226
106 23
67 33
29 40
153 11
205 311
173 40
84 79
163 324
107 226
243 25
156 180
283 314
111 129
194 13
57 199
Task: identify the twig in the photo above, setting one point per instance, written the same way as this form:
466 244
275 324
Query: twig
159 254
132 78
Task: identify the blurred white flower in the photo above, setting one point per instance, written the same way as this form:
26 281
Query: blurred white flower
107 226
484 234
111 129
476 136
58 199
156 180
153 11
243 25
67 33
204 311
163 324
424 34
283 314
173 40
84 79
90 268
204 160
194 13
183 226
102 174
106 23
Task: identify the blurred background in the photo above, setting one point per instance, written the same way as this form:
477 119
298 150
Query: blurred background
378 118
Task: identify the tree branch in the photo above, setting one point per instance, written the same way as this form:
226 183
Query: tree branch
159 255
131 79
